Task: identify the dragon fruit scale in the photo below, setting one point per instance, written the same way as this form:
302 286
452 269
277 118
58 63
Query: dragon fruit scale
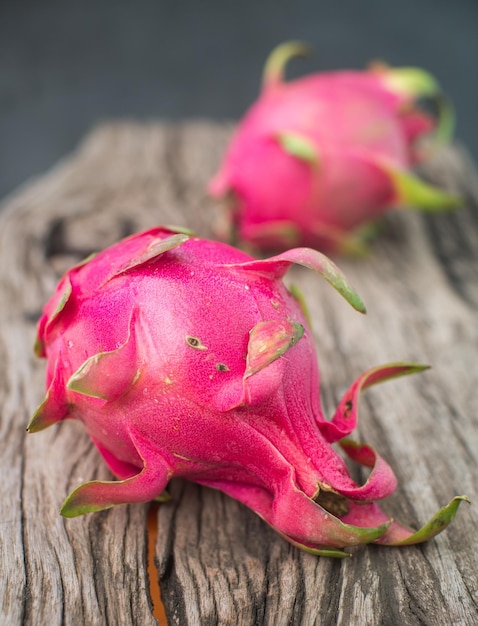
187 357
316 160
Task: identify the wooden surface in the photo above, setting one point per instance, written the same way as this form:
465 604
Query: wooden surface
218 563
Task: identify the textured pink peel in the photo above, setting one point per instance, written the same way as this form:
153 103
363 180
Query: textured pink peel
268 341
187 357
54 407
278 265
345 419
381 482
298 518
98 376
409 83
398 535
55 307
154 248
97 495
316 158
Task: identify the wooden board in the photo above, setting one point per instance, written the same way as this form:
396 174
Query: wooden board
218 563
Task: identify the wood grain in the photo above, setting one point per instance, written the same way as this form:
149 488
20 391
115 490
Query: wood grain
218 562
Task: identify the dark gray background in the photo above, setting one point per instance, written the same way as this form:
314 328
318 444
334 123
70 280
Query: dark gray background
66 65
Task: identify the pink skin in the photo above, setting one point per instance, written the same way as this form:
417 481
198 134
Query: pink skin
361 135
186 357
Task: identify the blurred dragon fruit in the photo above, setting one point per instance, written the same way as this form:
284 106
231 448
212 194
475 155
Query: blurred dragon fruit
317 159
187 357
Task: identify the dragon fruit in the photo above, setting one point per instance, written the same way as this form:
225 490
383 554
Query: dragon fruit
316 160
187 357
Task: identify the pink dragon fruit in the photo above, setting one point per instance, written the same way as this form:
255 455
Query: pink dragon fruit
316 160
187 357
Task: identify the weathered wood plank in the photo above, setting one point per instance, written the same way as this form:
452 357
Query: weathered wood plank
218 562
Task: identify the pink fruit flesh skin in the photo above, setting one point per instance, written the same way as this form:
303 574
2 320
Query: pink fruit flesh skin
187 357
318 157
